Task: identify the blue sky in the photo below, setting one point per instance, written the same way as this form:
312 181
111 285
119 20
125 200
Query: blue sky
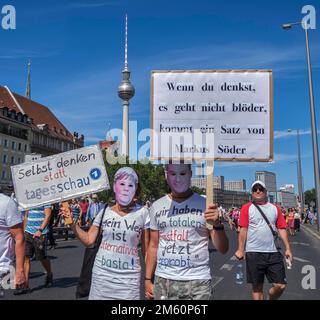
76 48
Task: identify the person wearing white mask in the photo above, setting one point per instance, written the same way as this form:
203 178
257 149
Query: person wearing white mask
117 269
177 264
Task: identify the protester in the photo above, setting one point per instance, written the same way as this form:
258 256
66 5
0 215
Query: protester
84 204
117 269
297 220
290 221
93 209
12 245
36 228
76 210
257 240
235 219
178 247
50 236
229 219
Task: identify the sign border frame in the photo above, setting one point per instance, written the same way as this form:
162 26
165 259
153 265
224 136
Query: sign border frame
271 123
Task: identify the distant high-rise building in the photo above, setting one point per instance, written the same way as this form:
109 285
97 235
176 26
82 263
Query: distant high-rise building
236 185
269 179
287 188
201 182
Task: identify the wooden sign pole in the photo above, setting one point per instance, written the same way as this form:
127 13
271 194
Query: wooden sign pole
209 190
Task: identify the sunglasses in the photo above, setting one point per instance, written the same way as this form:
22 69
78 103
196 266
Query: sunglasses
255 189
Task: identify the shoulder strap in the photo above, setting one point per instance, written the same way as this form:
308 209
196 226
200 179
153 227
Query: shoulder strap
265 218
104 210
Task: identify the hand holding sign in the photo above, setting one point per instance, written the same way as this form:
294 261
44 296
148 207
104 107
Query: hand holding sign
212 214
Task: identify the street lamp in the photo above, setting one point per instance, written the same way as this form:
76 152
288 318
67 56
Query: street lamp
301 197
300 187
288 26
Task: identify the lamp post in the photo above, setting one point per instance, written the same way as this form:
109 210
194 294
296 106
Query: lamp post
288 26
301 196
300 186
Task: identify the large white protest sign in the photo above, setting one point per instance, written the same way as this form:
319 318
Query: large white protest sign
59 177
212 115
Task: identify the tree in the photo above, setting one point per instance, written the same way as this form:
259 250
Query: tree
152 183
310 196
198 190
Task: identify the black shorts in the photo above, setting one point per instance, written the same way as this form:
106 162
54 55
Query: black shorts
270 265
36 246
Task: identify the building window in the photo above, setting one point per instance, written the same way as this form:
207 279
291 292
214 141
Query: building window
3 175
19 146
4 159
12 160
5 143
13 145
19 160
25 148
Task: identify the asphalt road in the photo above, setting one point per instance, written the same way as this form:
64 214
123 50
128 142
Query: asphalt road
66 262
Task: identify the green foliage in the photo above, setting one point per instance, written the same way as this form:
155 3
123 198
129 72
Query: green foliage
309 196
152 183
198 190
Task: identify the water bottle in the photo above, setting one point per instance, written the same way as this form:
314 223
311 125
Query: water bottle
239 274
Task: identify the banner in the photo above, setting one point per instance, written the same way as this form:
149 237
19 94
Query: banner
212 115
59 177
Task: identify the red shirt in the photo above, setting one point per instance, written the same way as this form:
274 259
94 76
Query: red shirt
84 207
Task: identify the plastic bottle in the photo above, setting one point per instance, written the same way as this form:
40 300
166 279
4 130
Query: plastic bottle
239 273
288 263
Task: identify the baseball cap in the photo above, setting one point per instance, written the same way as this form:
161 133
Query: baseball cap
260 183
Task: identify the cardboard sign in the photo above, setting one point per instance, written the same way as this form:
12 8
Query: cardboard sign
60 177
212 115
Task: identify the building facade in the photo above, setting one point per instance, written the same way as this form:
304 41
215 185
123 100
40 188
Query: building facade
236 185
29 127
201 182
269 179
286 199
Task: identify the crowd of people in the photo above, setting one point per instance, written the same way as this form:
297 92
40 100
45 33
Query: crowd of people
171 235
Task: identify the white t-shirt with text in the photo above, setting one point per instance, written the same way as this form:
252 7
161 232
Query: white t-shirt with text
118 255
183 238
9 217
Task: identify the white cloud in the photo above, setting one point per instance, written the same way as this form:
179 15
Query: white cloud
90 5
286 134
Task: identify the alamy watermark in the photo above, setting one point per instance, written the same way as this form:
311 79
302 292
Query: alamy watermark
7 280
309 20
308 281
8 21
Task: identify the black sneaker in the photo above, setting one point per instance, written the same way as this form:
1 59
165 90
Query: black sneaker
49 281
20 291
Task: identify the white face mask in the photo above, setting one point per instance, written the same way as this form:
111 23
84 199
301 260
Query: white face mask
178 177
124 189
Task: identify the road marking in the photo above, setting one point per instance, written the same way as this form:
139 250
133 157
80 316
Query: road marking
301 243
227 266
300 260
216 280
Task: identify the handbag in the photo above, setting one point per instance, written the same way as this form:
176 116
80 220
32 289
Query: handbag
84 282
274 233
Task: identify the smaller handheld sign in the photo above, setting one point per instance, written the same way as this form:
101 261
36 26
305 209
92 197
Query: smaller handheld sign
60 177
